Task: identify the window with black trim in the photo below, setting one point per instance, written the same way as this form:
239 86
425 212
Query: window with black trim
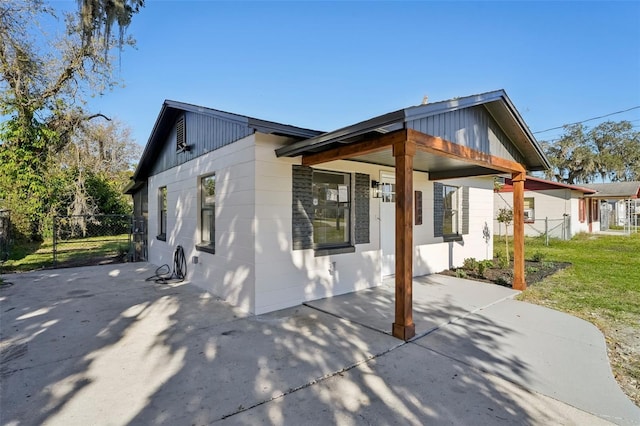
451 203
162 210
332 209
207 213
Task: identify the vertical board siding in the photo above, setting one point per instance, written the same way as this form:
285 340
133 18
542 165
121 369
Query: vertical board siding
471 127
204 134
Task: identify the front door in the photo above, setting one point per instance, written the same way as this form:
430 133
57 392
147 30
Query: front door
388 222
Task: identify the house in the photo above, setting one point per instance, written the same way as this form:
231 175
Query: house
619 204
272 215
550 208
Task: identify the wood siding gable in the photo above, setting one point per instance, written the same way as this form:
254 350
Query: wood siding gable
472 127
203 134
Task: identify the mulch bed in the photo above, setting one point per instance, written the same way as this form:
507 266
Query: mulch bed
534 271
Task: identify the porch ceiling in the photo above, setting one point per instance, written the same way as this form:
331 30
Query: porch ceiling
442 159
437 166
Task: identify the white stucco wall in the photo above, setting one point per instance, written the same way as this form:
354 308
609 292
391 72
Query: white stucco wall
254 266
230 272
286 277
552 204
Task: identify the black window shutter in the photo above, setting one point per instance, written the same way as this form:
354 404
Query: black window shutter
438 209
302 213
361 202
465 210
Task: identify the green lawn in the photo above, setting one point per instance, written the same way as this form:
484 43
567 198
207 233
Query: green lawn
602 286
31 256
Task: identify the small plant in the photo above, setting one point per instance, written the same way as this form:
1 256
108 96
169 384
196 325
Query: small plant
461 273
505 216
470 264
502 261
548 265
531 270
483 266
538 256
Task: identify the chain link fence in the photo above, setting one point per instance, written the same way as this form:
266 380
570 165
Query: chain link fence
90 240
559 228
5 235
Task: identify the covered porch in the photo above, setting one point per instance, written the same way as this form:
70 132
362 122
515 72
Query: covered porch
480 135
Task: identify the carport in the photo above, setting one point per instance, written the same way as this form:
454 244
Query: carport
472 136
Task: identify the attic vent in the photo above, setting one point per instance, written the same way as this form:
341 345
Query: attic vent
181 137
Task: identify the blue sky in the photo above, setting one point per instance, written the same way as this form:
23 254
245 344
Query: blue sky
325 65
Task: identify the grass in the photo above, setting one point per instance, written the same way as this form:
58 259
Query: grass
32 256
602 286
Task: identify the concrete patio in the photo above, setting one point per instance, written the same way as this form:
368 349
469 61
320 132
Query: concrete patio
101 345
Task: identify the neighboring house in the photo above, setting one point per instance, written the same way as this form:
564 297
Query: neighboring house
619 204
272 215
549 207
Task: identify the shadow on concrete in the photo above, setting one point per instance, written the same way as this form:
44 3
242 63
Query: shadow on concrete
100 345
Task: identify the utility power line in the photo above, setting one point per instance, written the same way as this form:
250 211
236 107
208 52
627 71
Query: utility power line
588 119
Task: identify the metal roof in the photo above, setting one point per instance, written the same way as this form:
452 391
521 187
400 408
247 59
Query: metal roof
550 183
615 189
497 104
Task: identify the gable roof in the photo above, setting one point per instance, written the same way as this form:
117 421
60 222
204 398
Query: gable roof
497 103
172 109
536 184
616 189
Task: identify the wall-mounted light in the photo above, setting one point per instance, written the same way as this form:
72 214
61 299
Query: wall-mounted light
375 189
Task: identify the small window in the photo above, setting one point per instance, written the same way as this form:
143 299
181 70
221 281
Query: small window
451 202
332 209
162 210
529 210
207 213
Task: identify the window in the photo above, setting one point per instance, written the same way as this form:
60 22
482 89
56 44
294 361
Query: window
581 210
162 209
207 213
451 201
529 210
332 209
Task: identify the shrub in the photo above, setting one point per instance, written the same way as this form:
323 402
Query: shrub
503 261
483 266
461 273
538 256
470 264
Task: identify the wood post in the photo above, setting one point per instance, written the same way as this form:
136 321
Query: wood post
518 179
403 327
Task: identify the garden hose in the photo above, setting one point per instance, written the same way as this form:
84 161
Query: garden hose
164 274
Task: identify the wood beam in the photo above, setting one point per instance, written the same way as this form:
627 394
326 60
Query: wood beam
403 327
354 149
442 147
518 180
459 173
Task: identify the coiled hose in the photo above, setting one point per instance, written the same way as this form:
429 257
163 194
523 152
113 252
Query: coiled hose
164 274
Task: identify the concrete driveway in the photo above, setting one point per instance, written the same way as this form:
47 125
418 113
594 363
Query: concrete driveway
101 345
